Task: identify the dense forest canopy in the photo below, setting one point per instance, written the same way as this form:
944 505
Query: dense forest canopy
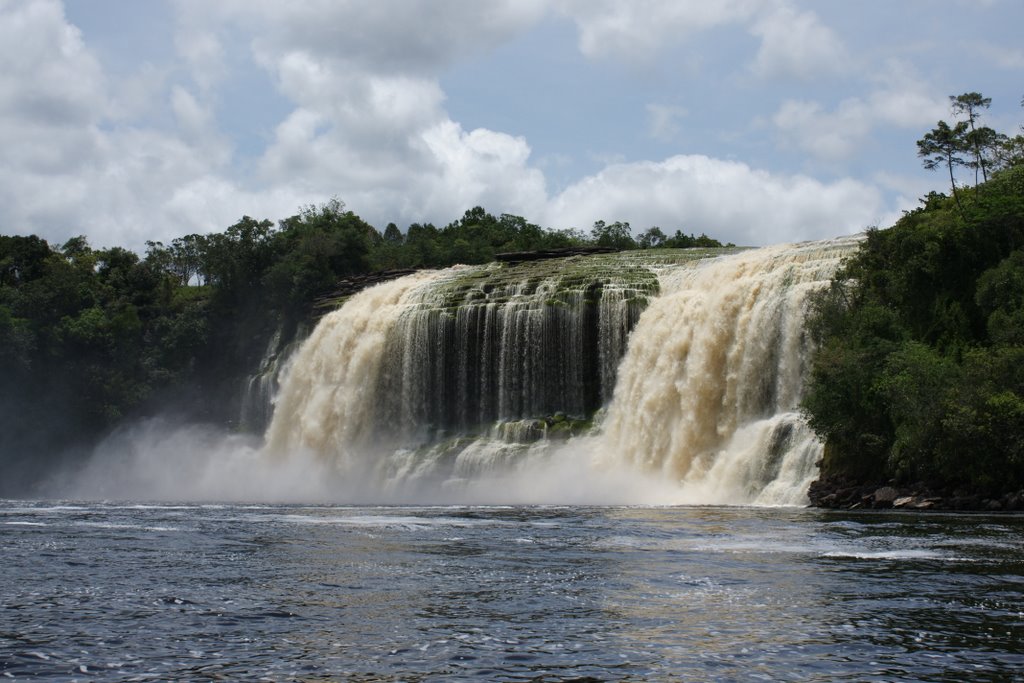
90 336
919 375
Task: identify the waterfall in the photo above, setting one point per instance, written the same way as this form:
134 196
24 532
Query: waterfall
695 361
326 403
709 391
453 352
258 393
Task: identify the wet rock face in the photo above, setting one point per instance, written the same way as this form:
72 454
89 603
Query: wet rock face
512 341
543 254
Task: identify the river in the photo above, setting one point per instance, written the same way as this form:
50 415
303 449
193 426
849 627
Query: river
132 592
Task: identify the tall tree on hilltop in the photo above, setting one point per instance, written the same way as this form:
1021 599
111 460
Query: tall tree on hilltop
942 145
980 138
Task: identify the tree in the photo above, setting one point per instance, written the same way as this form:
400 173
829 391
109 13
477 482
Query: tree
474 238
520 234
187 258
22 259
76 247
919 369
942 145
567 237
617 235
315 249
651 238
392 235
978 139
1008 151
158 256
420 246
235 259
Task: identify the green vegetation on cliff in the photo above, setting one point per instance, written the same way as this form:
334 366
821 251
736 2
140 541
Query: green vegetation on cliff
919 373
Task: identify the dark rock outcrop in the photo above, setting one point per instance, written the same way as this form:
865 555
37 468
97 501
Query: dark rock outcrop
537 255
354 284
841 493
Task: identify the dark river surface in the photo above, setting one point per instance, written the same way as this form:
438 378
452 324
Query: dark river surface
124 592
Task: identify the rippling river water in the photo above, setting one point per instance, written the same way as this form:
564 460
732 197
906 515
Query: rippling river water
119 592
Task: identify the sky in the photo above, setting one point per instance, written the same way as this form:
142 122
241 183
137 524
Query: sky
753 121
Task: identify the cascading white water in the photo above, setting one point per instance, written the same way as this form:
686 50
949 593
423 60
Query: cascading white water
709 390
452 352
327 400
705 398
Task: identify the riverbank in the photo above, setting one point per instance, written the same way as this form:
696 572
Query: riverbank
843 493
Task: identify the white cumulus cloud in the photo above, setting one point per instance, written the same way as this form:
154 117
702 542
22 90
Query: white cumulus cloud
386 36
796 44
902 101
358 110
71 163
638 30
728 200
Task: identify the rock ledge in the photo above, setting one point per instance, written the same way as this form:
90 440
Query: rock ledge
838 493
